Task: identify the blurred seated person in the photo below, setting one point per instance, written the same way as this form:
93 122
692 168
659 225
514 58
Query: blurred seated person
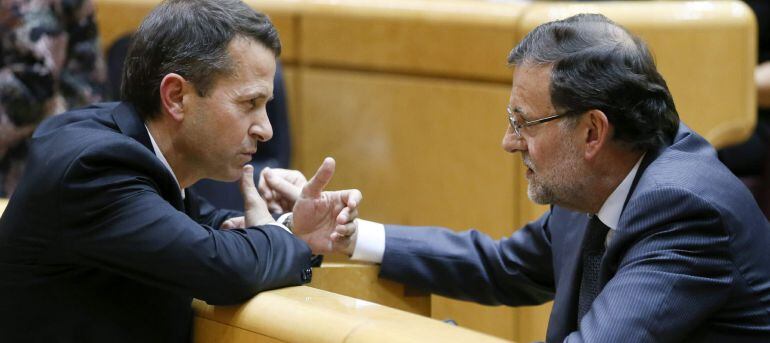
750 158
50 61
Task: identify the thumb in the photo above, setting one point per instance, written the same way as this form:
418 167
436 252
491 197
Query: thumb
255 209
248 189
318 182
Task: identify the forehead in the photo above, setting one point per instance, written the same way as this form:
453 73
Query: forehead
253 68
530 92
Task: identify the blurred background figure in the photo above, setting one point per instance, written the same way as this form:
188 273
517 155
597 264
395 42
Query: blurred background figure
50 61
750 160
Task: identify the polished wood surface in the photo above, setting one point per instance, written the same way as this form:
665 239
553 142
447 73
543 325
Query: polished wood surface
361 281
305 314
459 39
117 18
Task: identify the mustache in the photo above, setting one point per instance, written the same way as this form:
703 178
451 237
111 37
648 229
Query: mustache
528 162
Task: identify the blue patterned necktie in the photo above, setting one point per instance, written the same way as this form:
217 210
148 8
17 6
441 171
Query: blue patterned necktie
593 250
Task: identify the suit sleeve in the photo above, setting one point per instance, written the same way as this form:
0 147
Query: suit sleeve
122 224
675 273
206 213
470 265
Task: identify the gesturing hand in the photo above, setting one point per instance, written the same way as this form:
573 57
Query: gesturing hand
325 220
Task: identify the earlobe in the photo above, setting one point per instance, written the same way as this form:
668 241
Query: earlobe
172 91
598 133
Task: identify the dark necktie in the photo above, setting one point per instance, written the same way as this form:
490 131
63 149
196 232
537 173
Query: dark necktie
593 250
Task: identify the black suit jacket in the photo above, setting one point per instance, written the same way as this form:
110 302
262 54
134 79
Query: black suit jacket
97 243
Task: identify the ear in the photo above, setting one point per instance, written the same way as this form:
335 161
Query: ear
173 88
599 132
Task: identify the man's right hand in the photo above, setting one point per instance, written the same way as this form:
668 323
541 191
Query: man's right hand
326 220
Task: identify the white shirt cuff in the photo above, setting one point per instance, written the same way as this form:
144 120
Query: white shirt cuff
370 244
280 221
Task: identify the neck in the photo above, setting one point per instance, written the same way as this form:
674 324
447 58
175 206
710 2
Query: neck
163 135
613 169
604 175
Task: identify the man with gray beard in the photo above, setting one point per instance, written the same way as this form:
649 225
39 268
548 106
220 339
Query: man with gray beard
648 238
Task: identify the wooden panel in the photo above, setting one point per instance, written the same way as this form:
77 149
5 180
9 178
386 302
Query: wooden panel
706 51
446 38
209 331
293 104
305 314
119 17
361 281
500 321
423 151
283 14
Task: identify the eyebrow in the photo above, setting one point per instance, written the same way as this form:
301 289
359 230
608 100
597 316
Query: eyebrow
520 112
252 92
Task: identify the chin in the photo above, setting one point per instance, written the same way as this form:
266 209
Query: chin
231 176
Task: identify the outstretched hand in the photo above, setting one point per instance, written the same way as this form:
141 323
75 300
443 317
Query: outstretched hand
325 220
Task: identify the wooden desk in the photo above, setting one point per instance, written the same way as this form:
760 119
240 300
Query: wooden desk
360 281
305 314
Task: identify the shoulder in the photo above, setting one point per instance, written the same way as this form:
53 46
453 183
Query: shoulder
686 193
87 143
688 172
90 130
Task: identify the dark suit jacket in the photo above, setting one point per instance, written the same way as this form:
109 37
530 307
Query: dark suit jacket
97 244
688 261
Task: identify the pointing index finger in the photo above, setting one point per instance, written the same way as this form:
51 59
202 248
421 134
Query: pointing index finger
318 182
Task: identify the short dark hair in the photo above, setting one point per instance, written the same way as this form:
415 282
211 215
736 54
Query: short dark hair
190 38
598 64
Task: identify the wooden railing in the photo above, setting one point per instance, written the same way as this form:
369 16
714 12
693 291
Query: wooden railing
305 314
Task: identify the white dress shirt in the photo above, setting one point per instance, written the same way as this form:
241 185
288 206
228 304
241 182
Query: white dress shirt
162 159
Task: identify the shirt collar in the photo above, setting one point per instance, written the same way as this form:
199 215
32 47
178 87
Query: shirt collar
162 159
609 214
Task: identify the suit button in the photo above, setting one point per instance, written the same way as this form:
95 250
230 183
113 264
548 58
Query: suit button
307 274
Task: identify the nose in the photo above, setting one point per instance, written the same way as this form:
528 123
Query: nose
513 143
261 128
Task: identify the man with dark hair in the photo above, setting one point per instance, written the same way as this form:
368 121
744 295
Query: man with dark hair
649 238
103 242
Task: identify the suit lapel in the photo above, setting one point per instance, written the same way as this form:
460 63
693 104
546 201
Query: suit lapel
563 318
131 125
